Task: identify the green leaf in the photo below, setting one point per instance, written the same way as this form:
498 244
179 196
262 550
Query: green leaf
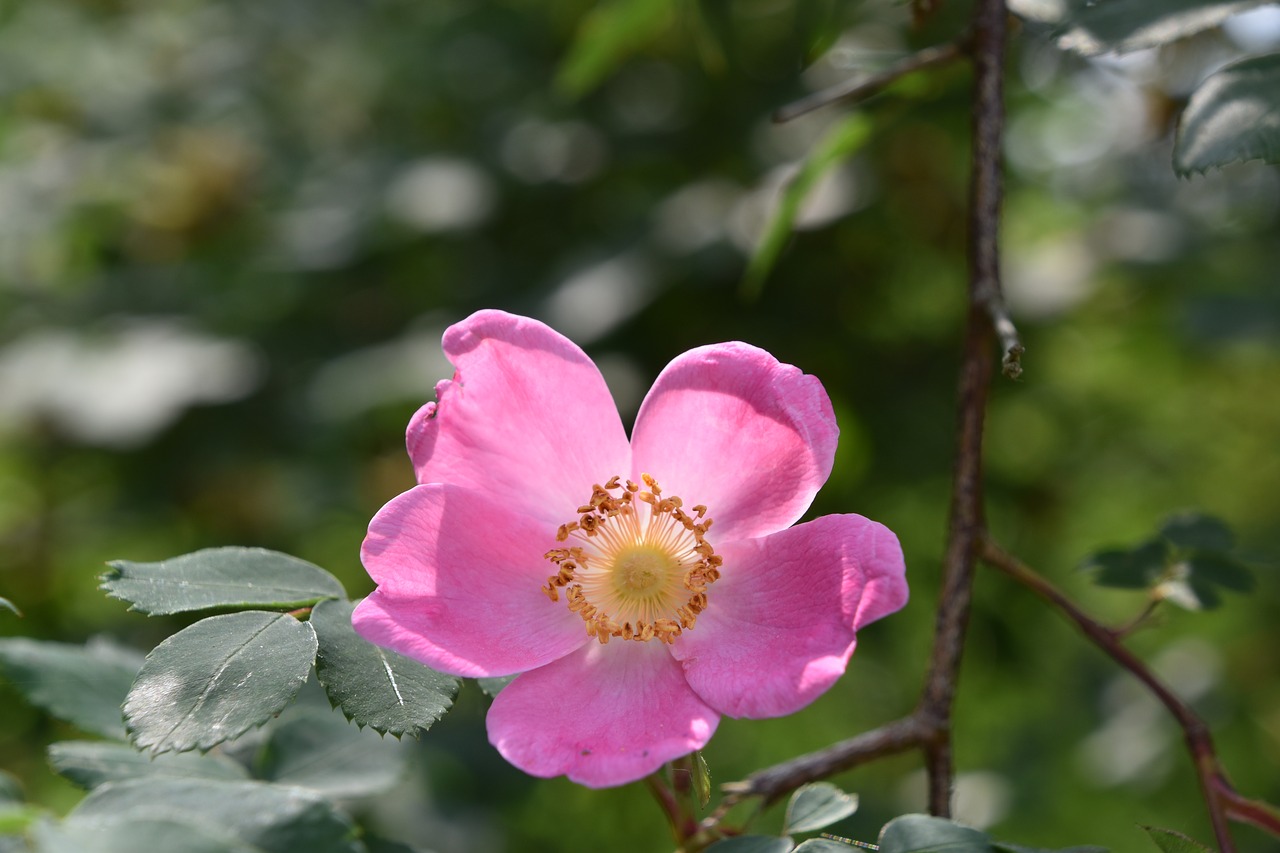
1091 27
118 835
917 833
1175 842
216 679
10 788
752 844
1221 570
377 844
1198 532
829 845
1006 847
220 578
608 35
1136 568
839 142
84 685
701 778
375 687
91 763
493 686
271 818
10 606
317 748
1233 116
817 805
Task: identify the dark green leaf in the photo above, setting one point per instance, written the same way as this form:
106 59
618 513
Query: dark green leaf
839 143
376 687
701 779
84 685
91 763
493 686
917 833
1198 532
377 844
752 844
1233 116
1137 568
1221 570
272 818
1091 27
608 35
827 845
218 678
220 578
1175 842
317 748
106 834
818 805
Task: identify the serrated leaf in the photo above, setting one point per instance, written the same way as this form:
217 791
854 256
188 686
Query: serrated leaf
373 686
218 678
1221 570
1198 532
493 686
84 685
917 833
317 748
220 579
701 778
837 144
1135 568
752 844
1090 27
271 818
818 805
1175 842
116 835
608 35
92 763
1233 116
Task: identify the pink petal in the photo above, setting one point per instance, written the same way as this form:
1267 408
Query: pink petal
605 715
527 415
779 626
459 585
731 427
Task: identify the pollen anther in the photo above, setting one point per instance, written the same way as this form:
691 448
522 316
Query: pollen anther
632 573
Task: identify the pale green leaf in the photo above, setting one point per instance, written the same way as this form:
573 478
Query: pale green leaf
917 833
216 679
840 142
701 778
106 834
10 606
220 579
270 818
1092 27
1233 116
1175 842
818 805
374 686
84 685
752 844
91 763
608 35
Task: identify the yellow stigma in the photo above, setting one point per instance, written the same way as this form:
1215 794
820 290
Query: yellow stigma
639 565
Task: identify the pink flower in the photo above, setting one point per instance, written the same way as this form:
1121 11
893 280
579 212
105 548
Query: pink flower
541 542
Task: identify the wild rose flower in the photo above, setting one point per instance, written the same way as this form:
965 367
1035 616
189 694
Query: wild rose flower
541 542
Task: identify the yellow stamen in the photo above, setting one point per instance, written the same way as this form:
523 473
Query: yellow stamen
640 565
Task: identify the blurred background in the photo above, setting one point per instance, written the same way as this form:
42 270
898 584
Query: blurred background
232 233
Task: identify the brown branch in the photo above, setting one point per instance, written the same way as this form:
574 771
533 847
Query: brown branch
861 88
1221 798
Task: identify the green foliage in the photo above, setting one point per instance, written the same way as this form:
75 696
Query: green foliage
220 578
926 834
752 844
1233 116
216 679
1120 26
701 779
84 685
493 686
316 748
841 141
373 686
10 606
818 805
110 834
269 818
608 34
91 763
1175 842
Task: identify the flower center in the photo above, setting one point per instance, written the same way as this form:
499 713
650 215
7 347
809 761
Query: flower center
637 566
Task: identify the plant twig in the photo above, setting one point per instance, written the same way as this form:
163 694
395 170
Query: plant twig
1221 798
861 88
